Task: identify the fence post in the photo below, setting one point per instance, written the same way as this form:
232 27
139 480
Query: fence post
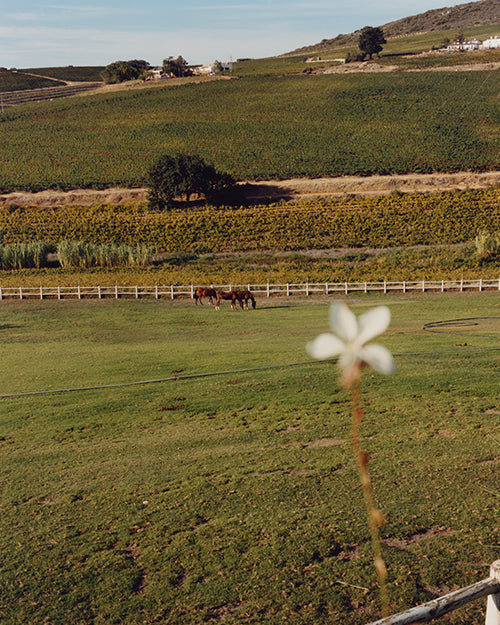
404 287
326 288
268 289
20 292
116 291
423 286
99 291
79 292
461 285
493 602
307 289
288 289
136 292
366 287
480 284
442 286
346 288
171 291
58 292
41 292
1 295
385 286
156 291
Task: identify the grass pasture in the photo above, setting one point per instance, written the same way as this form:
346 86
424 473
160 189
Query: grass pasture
233 498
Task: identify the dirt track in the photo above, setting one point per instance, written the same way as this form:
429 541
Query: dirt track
298 188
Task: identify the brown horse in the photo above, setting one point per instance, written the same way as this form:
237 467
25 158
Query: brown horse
245 296
230 295
202 292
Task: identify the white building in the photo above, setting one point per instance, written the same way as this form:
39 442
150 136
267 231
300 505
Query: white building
493 43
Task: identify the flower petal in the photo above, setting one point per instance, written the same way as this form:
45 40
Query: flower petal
378 357
373 323
325 346
343 321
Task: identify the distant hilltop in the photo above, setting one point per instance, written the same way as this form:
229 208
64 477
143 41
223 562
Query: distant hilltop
462 16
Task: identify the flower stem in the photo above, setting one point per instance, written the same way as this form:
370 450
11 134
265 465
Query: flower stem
375 518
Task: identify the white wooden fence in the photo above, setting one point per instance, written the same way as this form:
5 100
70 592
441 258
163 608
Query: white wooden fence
266 290
438 607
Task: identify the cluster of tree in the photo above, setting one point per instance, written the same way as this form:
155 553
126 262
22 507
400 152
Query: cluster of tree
176 67
370 42
181 175
120 71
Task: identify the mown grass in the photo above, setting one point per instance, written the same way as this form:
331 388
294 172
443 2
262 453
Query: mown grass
234 498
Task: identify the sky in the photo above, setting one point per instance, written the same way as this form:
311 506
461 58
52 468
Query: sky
56 33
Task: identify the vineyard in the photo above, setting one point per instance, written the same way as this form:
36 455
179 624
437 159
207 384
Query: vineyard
259 127
391 221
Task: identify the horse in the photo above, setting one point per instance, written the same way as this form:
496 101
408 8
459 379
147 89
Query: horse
245 296
202 292
230 295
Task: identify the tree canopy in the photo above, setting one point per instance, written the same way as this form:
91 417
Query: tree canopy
120 71
178 67
181 175
371 41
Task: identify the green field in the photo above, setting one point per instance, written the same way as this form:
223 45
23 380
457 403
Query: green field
259 127
234 498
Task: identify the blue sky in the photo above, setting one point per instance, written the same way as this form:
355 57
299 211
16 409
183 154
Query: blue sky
45 33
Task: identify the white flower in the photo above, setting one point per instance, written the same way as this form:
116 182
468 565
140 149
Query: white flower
349 338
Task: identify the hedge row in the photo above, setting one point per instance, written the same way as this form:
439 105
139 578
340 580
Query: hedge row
391 221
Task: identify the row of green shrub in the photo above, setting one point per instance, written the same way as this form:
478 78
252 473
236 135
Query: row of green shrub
391 221
72 254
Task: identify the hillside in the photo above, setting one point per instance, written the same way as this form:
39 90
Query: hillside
458 17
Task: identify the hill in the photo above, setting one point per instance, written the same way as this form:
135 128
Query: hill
460 17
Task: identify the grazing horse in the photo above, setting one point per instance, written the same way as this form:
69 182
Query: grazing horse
230 295
201 292
245 296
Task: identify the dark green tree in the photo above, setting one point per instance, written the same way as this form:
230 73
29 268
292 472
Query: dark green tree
120 71
180 176
178 67
371 41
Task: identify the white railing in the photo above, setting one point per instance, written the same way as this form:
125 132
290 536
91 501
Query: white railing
266 290
438 607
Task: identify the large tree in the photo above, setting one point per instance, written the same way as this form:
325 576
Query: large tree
180 175
371 41
178 67
120 71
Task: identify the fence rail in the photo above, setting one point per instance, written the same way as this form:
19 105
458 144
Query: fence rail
266 290
447 603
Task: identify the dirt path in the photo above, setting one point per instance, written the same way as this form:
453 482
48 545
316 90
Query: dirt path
297 188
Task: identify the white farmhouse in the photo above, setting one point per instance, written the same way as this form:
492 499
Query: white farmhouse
493 43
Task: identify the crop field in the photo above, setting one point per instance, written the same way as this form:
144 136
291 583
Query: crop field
259 127
233 496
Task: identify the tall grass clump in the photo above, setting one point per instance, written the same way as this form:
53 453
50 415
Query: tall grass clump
487 244
83 255
24 255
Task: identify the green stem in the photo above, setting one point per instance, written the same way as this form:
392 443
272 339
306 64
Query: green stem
375 518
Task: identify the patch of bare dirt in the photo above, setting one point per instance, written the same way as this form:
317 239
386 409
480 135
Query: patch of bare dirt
296 188
433 532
